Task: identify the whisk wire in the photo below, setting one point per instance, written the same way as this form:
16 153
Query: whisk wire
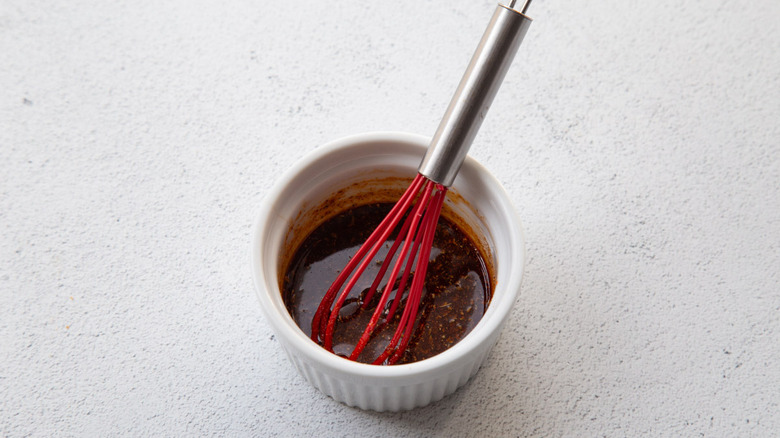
403 332
405 229
408 232
322 323
423 199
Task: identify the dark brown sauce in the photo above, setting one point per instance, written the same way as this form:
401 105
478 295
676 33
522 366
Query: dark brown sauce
456 294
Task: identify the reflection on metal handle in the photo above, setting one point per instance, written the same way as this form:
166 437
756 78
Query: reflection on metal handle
474 95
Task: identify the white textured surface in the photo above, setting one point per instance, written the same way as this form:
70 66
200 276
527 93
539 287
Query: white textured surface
640 142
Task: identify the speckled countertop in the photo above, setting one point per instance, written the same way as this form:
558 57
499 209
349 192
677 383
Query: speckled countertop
639 141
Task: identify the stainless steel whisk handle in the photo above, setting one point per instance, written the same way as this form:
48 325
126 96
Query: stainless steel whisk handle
475 93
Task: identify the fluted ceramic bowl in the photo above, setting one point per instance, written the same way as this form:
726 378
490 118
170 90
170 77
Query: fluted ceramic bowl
476 197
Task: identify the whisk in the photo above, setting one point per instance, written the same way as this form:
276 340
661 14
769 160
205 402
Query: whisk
422 202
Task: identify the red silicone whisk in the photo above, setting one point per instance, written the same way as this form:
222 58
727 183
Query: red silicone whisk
422 202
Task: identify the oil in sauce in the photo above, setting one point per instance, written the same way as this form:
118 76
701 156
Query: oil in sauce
456 291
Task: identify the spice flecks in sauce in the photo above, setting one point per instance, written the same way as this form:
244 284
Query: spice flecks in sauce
456 294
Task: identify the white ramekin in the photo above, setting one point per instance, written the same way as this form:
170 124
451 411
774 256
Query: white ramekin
487 208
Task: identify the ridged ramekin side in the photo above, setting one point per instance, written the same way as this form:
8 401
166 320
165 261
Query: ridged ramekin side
380 396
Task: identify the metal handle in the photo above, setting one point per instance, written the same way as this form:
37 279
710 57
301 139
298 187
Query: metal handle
475 93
